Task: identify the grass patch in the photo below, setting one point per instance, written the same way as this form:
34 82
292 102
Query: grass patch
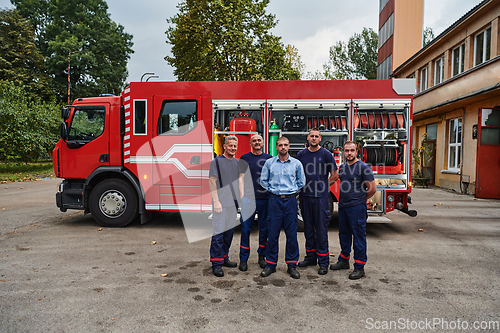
22 172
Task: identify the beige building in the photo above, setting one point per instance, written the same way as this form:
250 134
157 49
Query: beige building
400 33
457 102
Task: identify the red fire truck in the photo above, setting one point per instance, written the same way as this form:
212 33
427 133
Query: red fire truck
150 148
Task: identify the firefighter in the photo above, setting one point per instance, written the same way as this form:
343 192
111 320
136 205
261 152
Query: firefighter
321 172
357 185
225 193
254 199
283 176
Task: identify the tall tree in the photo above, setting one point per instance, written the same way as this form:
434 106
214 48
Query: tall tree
428 36
226 40
356 59
29 127
294 59
99 47
20 60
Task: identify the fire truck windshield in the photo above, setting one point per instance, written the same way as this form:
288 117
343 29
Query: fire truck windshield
87 124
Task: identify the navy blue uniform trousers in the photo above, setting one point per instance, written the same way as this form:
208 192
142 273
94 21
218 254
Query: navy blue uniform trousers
352 231
316 215
282 214
248 211
223 225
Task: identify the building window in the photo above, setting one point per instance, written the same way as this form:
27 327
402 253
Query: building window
423 79
482 45
457 63
384 70
490 127
439 71
382 4
386 31
431 131
454 144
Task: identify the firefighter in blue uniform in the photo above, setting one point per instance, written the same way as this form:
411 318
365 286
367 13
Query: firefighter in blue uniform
357 185
223 185
254 199
282 176
321 172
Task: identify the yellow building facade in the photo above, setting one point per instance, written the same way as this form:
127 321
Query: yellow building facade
457 102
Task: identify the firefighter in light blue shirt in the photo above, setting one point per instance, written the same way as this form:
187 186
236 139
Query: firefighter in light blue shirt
283 176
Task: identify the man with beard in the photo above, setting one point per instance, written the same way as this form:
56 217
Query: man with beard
321 172
357 185
282 176
254 199
223 185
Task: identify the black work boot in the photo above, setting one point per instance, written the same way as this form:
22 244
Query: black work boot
322 270
305 263
228 263
267 271
218 272
243 266
294 273
357 273
339 265
262 261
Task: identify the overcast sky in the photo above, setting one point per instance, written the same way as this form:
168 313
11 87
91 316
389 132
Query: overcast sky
312 26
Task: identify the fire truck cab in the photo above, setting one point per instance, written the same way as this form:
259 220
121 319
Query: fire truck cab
150 148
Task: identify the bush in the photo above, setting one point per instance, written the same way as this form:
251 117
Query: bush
29 128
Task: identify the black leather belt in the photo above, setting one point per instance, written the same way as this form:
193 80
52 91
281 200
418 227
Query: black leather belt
283 196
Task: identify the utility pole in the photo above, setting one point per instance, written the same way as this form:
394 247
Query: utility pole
69 77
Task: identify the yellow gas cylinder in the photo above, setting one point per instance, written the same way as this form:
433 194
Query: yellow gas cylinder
218 141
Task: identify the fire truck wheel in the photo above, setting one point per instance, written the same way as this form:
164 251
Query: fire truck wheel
113 203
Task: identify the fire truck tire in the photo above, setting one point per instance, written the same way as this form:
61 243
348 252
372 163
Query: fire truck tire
113 203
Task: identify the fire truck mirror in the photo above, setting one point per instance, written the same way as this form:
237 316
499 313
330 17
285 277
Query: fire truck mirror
65 113
64 131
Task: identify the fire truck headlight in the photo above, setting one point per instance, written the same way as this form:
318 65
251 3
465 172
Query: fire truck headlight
390 198
399 205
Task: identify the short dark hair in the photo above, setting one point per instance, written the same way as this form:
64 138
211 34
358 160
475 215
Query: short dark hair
282 138
315 129
350 142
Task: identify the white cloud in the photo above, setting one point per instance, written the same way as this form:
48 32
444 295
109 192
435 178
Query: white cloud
314 50
439 15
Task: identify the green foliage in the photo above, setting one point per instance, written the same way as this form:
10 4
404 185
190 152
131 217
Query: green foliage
354 60
101 47
428 35
29 128
292 58
226 40
20 60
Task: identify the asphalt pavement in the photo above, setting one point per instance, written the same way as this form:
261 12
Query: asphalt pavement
61 272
